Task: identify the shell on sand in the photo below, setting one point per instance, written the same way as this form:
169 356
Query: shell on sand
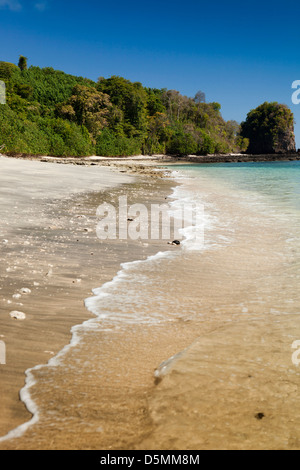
25 290
17 315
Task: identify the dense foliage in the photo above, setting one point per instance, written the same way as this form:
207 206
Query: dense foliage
270 129
51 112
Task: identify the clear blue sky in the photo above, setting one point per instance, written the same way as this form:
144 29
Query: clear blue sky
239 54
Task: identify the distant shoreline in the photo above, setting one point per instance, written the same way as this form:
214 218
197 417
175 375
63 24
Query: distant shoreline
205 159
240 158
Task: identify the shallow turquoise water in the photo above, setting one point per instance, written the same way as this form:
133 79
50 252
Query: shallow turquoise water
279 181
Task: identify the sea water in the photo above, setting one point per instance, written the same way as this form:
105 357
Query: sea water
237 385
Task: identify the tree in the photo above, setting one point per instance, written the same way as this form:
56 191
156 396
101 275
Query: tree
232 128
22 63
110 145
200 97
158 133
175 103
130 97
182 143
154 102
87 107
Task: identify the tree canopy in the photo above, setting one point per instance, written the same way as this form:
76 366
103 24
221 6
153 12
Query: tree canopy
50 112
22 63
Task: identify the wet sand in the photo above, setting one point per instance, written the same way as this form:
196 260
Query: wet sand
236 387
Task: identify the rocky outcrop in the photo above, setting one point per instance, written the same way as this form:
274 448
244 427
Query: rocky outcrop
281 143
286 142
270 130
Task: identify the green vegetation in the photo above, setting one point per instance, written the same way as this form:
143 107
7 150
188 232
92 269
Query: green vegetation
270 129
22 63
6 70
51 112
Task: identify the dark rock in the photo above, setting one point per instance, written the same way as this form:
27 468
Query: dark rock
246 158
174 242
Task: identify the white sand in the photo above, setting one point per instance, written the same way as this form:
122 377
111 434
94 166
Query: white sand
24 182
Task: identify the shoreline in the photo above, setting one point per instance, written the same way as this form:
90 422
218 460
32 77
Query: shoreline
143 162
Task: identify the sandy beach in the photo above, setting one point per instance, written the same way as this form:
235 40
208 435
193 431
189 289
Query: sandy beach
43 244
228 315
50 248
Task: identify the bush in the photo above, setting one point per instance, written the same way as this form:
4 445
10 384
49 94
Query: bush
206 144
6 70
43 136
182 143
110 145
19 135
66 138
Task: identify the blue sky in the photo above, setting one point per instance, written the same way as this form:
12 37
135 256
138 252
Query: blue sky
239 54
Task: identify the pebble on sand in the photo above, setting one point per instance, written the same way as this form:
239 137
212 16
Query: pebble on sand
17 315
